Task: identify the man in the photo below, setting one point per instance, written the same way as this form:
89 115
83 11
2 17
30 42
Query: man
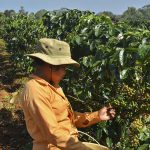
49 117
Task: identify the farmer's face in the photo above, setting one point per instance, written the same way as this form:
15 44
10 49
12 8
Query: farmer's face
57 73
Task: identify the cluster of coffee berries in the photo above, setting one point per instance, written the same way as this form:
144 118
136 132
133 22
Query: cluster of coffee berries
128 90
137 125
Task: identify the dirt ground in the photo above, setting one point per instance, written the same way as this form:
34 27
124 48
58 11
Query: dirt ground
13 133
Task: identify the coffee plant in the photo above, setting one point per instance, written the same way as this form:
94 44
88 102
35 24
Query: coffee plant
21 33
115 69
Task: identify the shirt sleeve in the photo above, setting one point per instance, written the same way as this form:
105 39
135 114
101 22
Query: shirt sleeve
86 119
41 111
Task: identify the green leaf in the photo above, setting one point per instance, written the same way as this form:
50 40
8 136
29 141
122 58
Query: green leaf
97 30
144 147
78 40
109 142
59 31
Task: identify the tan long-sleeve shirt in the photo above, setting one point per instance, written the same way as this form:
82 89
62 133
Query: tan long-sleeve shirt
50 120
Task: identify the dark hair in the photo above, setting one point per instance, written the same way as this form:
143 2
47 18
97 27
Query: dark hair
38 62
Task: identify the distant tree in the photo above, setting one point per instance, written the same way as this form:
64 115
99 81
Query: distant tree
60 11
110 14
22 11
137 17
2 23
9 13
146 7
145 11
39 14
132 16
31 14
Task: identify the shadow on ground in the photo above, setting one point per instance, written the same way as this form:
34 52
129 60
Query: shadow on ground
13 133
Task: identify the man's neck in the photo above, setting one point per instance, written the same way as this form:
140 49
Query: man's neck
41 75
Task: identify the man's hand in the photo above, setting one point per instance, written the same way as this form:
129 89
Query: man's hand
106 113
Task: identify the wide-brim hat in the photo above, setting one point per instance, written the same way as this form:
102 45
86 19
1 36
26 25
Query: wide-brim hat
54 52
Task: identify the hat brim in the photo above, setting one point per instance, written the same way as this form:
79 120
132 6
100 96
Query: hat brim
55 60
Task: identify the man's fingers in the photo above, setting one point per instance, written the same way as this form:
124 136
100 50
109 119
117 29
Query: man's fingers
109 106
112 116
111 113
110 110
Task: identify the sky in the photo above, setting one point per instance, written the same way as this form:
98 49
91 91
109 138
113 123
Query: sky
115 6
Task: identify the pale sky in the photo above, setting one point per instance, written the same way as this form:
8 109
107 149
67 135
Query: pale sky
115 6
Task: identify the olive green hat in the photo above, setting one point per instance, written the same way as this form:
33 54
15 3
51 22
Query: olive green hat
54 52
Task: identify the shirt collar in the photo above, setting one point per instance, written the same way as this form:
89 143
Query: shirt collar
38 79
45 83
